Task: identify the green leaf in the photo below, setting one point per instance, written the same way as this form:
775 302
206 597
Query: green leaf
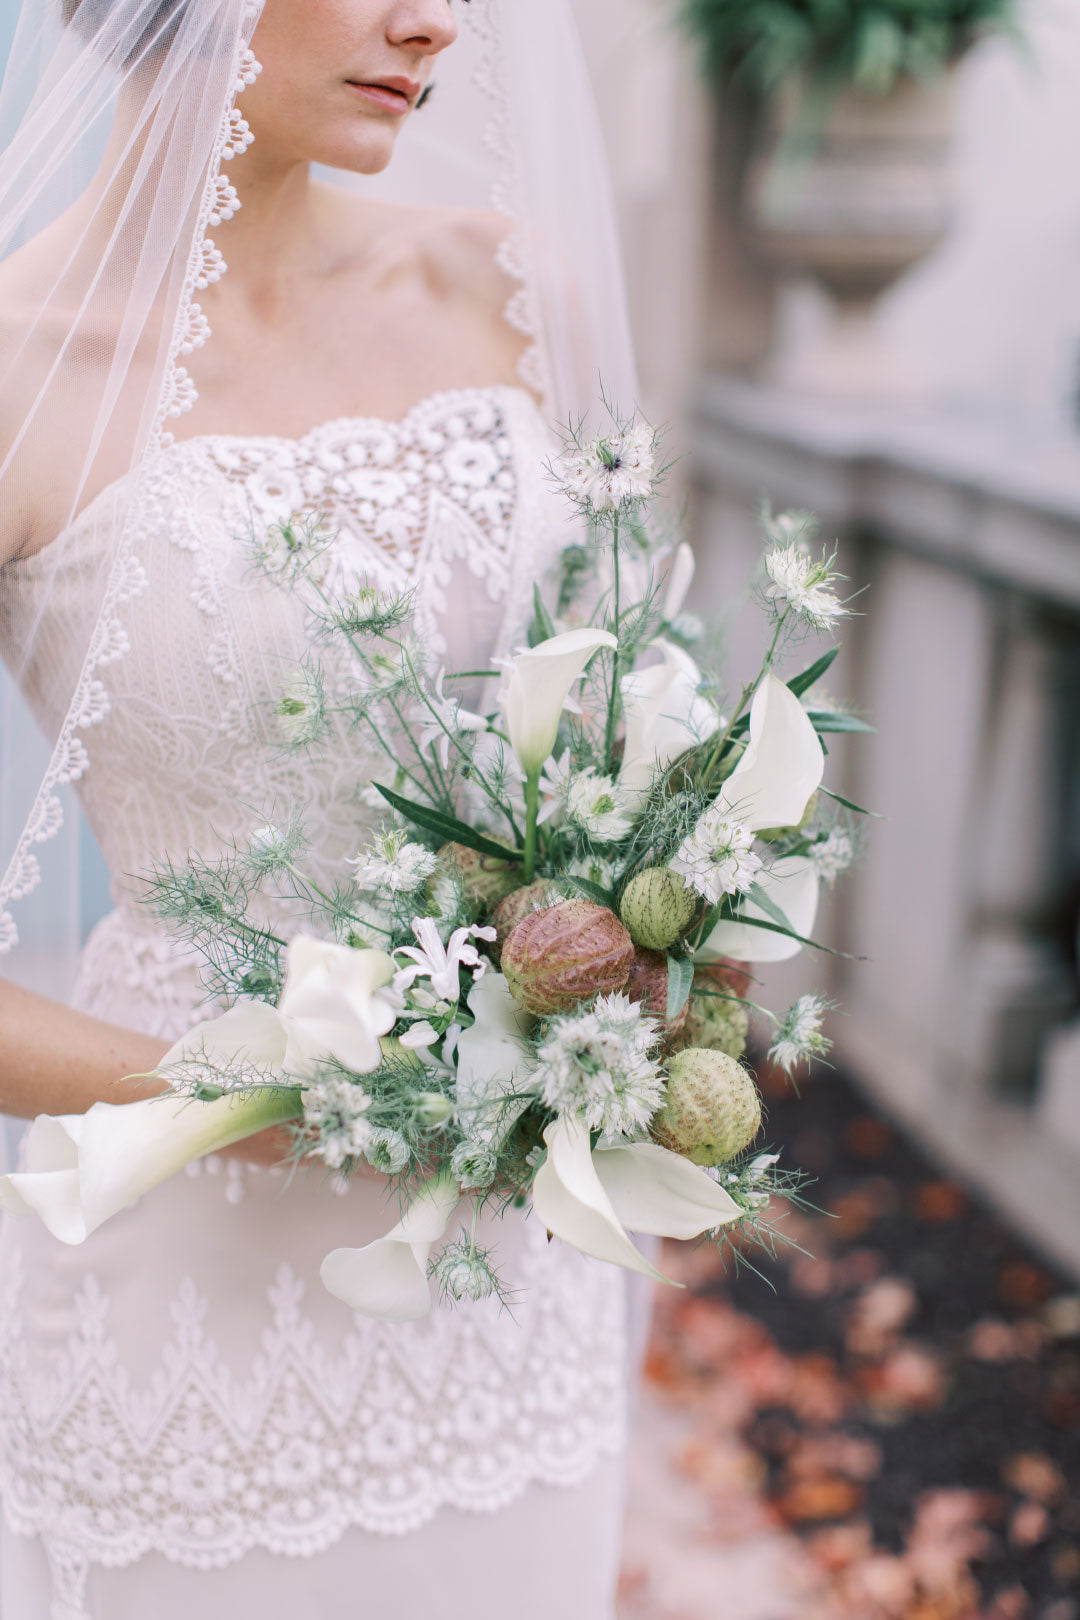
768 905
591 891
709 921
849 804
802 683
680 976
447 827
775 928
829 720
542 622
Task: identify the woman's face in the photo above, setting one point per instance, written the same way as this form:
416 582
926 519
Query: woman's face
340 77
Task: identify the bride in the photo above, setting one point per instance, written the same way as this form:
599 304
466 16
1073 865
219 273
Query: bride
188 1422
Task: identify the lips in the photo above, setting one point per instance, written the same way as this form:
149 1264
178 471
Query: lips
394 93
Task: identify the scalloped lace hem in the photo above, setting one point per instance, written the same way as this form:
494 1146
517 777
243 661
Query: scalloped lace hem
297 1543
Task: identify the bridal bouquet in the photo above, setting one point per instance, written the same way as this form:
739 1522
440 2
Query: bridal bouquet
530 986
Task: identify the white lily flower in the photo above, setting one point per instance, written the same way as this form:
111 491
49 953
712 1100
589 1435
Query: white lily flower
782 765
589 1198
419 1037
491 1058
444 717
538 687
793 884
438 962
388 1279
665 714
83 1168
336 1003
680 578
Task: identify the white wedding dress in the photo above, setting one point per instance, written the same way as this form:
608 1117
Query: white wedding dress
189 1424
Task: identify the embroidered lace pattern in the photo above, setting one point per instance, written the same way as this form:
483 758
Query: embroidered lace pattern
203 1464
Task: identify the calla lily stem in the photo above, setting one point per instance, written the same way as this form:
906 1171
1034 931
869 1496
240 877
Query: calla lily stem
532 815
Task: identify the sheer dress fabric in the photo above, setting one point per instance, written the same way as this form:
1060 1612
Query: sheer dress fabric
181 1390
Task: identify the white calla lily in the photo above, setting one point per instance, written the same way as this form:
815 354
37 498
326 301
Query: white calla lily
335 1003
781 767
664 715
679 580
656 1191
83 1168
539 684
388 1279
491 1053
589 1198
792 883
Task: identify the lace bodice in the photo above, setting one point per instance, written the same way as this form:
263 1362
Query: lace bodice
198 1393
451 503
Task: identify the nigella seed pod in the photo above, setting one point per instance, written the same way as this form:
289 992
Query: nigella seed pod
657 906
518 904
647 983
565 954
711 1109
485 878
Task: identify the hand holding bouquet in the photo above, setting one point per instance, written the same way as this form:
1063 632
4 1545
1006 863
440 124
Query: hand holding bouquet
531 987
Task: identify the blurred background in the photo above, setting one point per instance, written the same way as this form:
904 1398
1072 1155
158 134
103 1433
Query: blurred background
856 289
855 284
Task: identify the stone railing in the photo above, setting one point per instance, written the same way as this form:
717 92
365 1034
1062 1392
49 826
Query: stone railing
961 1012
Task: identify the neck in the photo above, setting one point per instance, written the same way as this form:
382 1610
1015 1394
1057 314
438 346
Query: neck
275 236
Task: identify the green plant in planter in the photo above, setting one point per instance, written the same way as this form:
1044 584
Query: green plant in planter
833 44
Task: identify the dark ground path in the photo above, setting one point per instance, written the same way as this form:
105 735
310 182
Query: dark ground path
893 1434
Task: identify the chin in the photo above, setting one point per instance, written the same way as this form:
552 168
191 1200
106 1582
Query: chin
369 153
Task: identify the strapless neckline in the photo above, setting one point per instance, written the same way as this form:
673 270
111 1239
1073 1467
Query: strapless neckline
198 444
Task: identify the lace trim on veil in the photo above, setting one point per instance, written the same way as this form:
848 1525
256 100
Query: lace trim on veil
521 311
90 704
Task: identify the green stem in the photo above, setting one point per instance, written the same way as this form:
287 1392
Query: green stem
746 695
532 812
613 695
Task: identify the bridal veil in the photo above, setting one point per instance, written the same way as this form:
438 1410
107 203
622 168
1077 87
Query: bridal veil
123 138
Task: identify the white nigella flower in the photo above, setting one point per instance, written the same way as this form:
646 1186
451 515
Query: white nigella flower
598 806
464 1272
301 708
391 861
611 472
554 780
434 729
833 855
799 1037
717 858
473 1164
805 583
599 1066
688 628
438 962
271 848
367 612
335 1110
387 1151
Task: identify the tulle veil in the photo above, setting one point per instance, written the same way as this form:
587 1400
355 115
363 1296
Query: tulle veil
123 140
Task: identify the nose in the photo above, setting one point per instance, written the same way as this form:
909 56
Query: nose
425 25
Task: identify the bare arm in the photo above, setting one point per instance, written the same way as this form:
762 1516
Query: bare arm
57 1061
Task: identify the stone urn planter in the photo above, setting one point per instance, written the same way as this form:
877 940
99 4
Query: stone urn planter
852 212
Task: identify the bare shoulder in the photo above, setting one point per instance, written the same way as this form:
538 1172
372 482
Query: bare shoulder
456 250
